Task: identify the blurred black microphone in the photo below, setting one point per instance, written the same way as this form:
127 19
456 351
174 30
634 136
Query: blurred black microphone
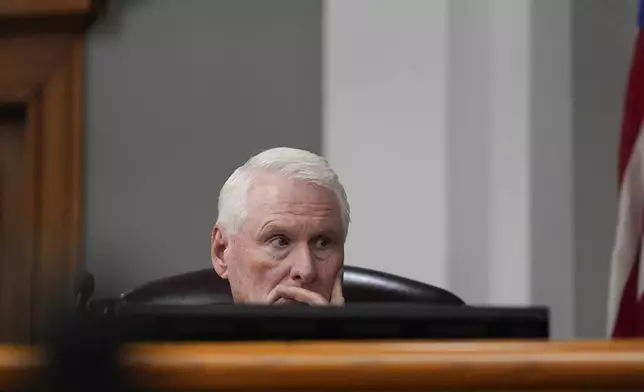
82 356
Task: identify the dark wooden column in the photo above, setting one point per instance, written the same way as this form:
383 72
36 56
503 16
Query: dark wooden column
41 157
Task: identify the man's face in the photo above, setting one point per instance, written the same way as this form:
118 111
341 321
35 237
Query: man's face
292 239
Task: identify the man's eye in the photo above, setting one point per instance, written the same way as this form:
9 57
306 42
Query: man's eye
323 243
279 241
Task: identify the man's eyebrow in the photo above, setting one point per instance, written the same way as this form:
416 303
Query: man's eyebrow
267 226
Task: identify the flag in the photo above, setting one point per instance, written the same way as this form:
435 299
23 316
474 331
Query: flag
626 285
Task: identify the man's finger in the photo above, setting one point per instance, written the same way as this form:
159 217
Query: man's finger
272 296
301 295
337 298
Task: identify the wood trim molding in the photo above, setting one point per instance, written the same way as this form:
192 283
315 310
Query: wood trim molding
410 365
28 8
57 114
44 73
48 16
48 75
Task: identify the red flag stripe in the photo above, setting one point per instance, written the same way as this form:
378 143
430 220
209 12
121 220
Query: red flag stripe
624 313
633 107
626 322
624 264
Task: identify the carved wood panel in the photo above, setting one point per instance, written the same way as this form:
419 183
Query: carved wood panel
41 167
15 267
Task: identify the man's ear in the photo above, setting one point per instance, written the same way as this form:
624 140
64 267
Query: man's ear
218 244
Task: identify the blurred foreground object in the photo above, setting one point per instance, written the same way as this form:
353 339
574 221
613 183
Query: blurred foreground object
81 356
308 366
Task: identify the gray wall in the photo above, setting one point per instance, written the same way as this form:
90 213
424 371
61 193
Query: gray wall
177 97
551 164
603 37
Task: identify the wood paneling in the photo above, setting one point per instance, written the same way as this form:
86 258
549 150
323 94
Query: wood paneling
44 7
49 71
15 261
59 202
20 17
26 64
394 366
43 73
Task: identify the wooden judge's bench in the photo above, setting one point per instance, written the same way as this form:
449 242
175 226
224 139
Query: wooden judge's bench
382 366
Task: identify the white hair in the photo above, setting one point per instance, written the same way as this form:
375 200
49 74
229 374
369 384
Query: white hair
290 162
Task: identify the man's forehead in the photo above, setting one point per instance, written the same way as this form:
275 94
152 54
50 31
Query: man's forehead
275 199
274 188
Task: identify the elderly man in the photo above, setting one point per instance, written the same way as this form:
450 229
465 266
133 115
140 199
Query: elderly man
279 238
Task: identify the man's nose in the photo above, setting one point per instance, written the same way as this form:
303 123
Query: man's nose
303 269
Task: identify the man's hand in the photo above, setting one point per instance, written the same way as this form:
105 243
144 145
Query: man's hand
308 297
337 298
296 294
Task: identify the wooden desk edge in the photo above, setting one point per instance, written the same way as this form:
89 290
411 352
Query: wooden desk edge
367 365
